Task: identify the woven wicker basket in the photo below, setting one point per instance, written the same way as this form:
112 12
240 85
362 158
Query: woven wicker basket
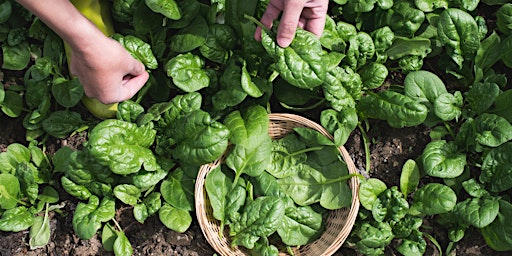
338 225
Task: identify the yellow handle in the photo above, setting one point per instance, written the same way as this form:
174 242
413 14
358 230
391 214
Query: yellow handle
98 12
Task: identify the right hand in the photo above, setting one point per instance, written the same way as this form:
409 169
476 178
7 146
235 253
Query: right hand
107 71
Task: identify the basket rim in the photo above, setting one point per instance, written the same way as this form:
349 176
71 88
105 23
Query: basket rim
221 245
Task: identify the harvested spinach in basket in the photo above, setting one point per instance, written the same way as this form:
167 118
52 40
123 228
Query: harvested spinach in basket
284 200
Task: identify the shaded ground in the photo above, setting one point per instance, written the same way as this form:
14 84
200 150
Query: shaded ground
390 148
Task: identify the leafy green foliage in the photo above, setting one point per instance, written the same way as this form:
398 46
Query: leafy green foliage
210 85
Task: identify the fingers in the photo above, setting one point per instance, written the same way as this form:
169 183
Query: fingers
271 13
307 14
292 11
131 84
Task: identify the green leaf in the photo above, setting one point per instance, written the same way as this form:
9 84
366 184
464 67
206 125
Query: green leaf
496 168
108 236
301 225
410 177
39 234
498 235
199 138
177 190
458 32
369 190
478 212
67 92
15 154
12 105
127 193
424 86
76 190
168 8
16 57
405 46
190 37
140 213
288 153
448 106
397 109
122 246
62 123
123 146
249 133
187 73
9 191
442 159
49 195
88 217
139 49
492 130
302 63
260 218
173 218
340 124
434 198
16 219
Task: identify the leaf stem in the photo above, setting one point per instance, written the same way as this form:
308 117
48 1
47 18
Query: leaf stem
306 150
258 23
366 147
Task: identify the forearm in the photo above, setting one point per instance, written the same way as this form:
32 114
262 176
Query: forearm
65 20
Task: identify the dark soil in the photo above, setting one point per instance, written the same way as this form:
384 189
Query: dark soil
389 150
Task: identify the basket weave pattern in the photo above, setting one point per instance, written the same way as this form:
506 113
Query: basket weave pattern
338 225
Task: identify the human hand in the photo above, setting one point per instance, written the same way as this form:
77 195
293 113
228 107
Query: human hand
107 71
307 14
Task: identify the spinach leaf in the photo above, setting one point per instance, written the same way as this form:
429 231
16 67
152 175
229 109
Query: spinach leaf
168 8
173 218
9 191
177 190
301 225
88 217
340 124
62 123
410 177
397 109
369 190
478 212
424 86
198 138
390 206
252 144
122 245
434 198
442 159
302 63
448 106
219 43
496 173
361 49
123 146
458 31
139 49
67 92
498 235
39 232
15 57
288 153
260 218
16 219
187 73
374 237
127 193
190 37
